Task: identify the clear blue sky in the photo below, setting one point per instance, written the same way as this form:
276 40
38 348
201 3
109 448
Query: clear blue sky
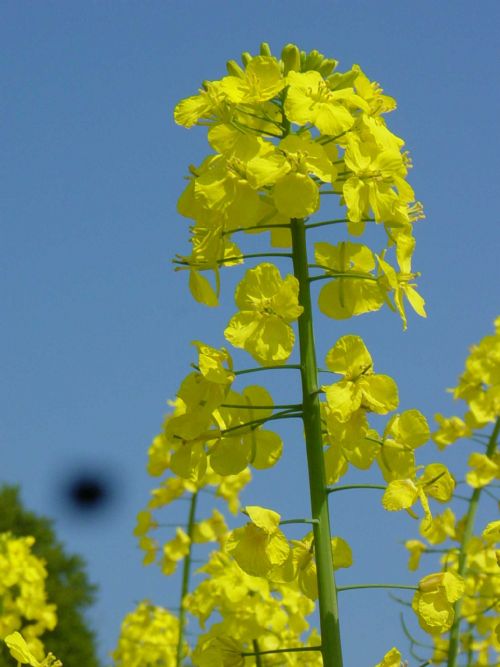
96 323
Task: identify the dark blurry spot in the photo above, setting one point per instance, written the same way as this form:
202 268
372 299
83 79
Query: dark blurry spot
89 492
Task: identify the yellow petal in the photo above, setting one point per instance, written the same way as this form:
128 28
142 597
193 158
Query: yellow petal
399 495
296 195
349 357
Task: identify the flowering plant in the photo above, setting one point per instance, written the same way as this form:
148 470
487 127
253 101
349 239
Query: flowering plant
299 146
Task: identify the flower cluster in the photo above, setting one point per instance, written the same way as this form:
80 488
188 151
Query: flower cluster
463 597
286 133
23 598
252 612
292 137
148 638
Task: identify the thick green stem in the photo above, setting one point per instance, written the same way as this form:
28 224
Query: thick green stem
453 648
331 647
186 571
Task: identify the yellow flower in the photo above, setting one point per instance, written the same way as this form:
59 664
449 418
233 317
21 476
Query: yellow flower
441 528
436 482
260 81
416 549
391 659
450 430
483 470
174 551
260 545
240 445
148 636
433 602
145 523
211 363
402 435
402 285
296 195
210 530
218 652
309 100
209 102
372 93
360 388
348 295
19 651
304 563
267 305
375 172
492 532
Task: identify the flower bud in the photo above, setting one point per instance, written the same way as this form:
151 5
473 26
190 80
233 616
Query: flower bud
327 66
291 58
246 58
314 60
265 49
233 69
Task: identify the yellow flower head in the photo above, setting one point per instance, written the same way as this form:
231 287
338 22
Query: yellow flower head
19 651
390 659
360 388
433 602
267 303
260 545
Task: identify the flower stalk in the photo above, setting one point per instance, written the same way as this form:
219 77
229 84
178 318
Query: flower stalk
327 593
186 572
454 644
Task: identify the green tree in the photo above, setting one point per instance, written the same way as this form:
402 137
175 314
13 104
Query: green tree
67 584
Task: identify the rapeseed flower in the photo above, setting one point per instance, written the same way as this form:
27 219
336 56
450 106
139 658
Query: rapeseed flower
268 304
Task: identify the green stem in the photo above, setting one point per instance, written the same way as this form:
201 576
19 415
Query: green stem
453 647
253 255
299 649
224 260
242 128
285 414
333 273
265 120
290 406
354 587
346 487
262 228
331 647
267 368
258 661
287 521
186 571
339 274
323 223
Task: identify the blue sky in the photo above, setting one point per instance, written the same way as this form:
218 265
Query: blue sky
97 324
